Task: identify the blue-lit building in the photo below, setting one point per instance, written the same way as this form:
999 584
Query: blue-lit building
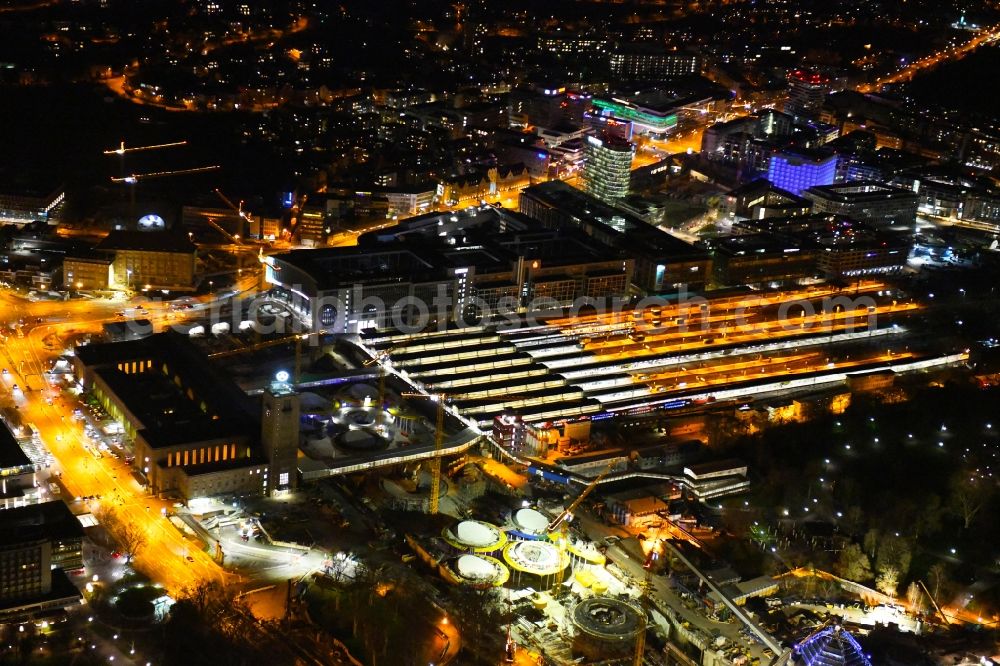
830 646
796 170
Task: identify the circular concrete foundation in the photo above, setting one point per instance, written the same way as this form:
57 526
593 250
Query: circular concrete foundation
530 522
358 418
475 536
480 571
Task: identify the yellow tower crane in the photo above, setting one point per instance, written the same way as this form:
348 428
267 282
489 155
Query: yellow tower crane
240 213
439 441
561 523
134 178
647 582
435 461
122 149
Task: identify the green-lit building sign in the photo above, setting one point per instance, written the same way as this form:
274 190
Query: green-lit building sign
646 120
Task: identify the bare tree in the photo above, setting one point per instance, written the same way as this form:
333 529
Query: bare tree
131 538
888 580
969 493
939 579
895 552
915 597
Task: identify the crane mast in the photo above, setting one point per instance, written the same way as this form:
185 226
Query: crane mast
567 513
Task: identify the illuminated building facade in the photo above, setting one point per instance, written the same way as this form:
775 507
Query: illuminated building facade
451 263
574 46
806 92
23 205
38 543
866 201
153 259
646 120
607 167
798 170
88 271
649 62
509 430
193 430
759 199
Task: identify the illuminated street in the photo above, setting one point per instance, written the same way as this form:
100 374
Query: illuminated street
164 558
985 37
481 333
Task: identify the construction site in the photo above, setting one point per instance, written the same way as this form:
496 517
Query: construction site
435 412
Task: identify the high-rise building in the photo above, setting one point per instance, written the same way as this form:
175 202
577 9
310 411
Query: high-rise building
38 543
796 170
607 167
806 92
279 436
